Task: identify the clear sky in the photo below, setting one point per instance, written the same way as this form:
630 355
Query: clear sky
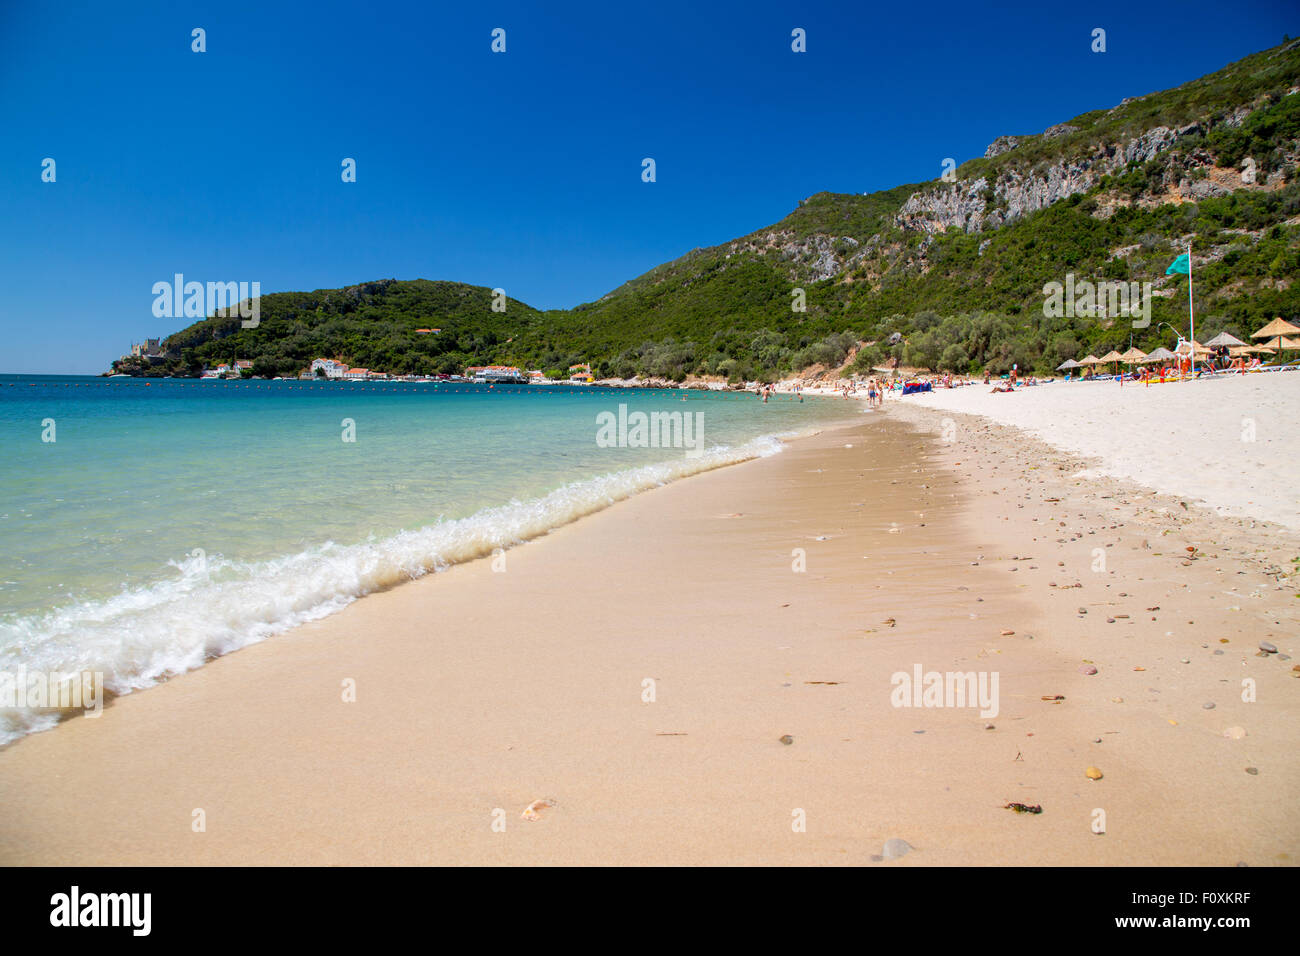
519 169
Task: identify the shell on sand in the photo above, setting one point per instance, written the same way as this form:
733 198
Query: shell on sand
531 811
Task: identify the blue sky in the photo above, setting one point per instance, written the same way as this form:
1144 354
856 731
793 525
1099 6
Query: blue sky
520 170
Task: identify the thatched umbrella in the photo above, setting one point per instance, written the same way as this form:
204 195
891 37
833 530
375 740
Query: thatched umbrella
1133 356
1067 365
1282 342
1110 357
1161 354
1278 327
1279 344
1224 338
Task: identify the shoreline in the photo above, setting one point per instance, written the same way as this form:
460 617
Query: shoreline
478 691
284 600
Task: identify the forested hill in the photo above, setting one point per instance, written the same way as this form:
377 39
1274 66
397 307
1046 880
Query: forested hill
372 325
958 267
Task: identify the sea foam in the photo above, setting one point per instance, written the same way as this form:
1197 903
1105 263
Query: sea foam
213 606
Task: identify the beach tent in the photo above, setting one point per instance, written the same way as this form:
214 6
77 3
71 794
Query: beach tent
1276 329
1223 338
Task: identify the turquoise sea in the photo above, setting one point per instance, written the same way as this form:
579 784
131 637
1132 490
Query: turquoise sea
147 526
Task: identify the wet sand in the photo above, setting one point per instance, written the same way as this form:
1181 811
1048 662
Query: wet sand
485 689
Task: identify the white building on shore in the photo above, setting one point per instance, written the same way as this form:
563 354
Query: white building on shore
332 369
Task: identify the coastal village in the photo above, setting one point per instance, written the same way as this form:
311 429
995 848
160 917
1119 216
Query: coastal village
335 371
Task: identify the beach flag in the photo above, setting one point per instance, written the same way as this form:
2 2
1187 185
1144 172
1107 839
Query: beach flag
1181 265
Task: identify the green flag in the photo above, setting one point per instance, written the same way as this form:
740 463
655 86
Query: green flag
1183 265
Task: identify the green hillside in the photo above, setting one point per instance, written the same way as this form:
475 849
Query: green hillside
957 268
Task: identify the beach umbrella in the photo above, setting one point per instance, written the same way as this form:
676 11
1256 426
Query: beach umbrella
1161 354
1090 360
1182 347
1282 342
1223 338
1110 357
1275 329
1133 356
1067 365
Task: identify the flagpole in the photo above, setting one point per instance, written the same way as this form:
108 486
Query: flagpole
1191 313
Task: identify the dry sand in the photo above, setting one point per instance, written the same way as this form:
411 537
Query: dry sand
1230 442
479 690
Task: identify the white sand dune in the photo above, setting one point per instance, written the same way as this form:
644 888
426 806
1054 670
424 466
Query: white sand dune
1233 443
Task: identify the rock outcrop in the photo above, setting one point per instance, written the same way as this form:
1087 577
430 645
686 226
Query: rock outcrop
979 204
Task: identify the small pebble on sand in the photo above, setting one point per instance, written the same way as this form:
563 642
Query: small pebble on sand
896 847
787 740
1208 705
1253 771
1092 773
1087 669
1267 647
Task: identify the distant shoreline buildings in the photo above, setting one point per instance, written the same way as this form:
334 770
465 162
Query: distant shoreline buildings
333 370
497 373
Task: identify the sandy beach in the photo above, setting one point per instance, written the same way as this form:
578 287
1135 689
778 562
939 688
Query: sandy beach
1228 442
639 669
